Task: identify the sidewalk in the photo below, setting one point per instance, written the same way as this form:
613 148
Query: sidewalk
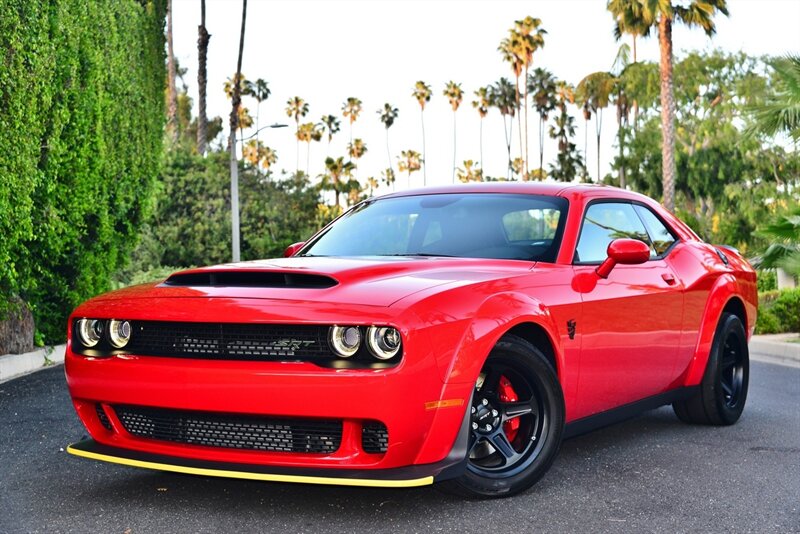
16 365
776 348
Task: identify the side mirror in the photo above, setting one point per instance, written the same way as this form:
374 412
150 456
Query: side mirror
624 252
292 249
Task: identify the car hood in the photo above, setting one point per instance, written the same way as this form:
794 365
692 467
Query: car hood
375 281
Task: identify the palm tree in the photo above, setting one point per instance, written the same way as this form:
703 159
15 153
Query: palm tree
331 124
470 173
236 100
422 92
372 184
356 149
202 80
308 132
388 116
336 169
482 103
509 48
594 91
409 161
780 113
257 154
504 99
542 84
296 108
568 162
259 90
351 109
172 92
245 120
662 13
454 95
388 177
628 19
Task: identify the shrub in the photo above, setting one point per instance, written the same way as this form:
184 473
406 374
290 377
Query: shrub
767 323
787 310
767 281
81 127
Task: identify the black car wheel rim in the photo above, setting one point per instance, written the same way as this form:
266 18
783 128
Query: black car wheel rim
732 370
507 432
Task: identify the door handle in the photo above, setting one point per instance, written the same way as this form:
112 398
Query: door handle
668 278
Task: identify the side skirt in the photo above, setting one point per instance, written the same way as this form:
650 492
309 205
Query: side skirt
627 411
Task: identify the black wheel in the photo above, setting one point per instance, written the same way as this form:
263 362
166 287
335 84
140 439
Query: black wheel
723 391
517 418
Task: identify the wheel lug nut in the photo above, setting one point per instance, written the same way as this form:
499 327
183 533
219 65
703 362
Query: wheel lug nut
474 426
494 413
488 428
484 402
473 409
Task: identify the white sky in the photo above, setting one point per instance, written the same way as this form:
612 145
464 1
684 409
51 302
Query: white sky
326 51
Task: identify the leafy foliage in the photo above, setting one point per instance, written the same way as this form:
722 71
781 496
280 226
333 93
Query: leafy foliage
82 94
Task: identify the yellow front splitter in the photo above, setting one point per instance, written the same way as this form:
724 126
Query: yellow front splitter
94 451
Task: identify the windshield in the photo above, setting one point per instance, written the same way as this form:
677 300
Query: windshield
471 225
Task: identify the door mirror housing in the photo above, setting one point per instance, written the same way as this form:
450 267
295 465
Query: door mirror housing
623 252
292 249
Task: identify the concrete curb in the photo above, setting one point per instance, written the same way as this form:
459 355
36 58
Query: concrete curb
775 348
16 365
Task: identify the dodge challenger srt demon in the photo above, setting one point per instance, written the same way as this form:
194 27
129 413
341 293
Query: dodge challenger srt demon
453 335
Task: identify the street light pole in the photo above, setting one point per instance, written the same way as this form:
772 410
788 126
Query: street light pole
235 252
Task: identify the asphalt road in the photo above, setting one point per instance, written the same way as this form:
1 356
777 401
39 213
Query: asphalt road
650 474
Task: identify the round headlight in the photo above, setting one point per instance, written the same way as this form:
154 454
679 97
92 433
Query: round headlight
119 332
90 331
383 342
344 340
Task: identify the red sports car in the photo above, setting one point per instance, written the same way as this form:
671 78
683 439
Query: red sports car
453 334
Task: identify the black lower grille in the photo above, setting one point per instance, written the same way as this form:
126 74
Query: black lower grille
101 414
261 342
232 431
374 437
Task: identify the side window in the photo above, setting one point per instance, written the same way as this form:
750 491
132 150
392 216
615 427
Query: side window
605 222
531 225
660 235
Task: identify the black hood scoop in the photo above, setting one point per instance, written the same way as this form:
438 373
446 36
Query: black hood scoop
251 279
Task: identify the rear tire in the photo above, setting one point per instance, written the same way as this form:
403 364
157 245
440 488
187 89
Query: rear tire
723 391
517 419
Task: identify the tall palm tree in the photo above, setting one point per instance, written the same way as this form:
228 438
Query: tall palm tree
244 120
356 149
409 161
628 19
780 113
662 13
422 92
542 84
388 116
482 103
454 95
594 91
531 39
510 48
471 172
202 80
336 169
260 91
172 92
351 109
296 108
236 100
388 177
308 132
504 99
331 125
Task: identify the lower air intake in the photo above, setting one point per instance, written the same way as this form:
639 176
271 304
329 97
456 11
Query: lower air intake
374 437
101 414
232 431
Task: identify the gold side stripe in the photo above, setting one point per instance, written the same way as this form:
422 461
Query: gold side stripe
425 481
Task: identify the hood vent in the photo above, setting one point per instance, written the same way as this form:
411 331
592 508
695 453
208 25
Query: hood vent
251 279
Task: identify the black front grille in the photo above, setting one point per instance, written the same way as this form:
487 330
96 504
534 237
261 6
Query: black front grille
374 437
261 342
101 414
232 431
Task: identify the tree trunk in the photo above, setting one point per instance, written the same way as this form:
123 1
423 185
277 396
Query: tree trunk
667 112
454 147
525 102
541 144
621 127
202 80
480 137
424 156
172 93
389 152
635 102
519 120
234 121
598 125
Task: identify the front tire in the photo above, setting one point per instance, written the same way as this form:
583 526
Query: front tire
723 391
517 420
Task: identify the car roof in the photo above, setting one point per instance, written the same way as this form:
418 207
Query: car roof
526 188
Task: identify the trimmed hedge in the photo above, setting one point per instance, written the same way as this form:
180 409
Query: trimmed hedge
779 311
81 131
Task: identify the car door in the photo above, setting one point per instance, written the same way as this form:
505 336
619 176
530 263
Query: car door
631 321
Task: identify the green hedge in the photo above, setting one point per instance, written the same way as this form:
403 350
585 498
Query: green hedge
779 311
81 130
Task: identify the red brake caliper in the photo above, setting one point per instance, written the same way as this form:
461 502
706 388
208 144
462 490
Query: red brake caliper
507 394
